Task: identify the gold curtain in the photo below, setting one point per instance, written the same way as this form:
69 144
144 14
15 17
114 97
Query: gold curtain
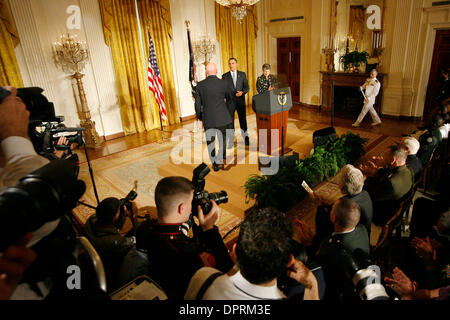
9 39
238 41
155 19
356 22
120 26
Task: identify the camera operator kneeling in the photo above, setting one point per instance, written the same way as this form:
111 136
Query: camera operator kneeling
103 231
173 256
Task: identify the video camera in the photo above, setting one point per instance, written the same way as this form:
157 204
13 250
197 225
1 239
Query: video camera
39 197
45 128
202 197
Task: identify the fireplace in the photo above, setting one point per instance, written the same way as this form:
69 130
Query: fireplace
340 92
347 100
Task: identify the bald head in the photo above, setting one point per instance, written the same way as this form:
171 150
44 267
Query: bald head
211 69
346 214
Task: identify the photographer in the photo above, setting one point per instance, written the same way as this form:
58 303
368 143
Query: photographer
17 155
103 231
264 252
174 257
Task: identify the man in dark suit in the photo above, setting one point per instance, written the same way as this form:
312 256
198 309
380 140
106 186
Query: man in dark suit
237 80
212 100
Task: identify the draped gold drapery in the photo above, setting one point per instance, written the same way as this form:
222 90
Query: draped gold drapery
238 41
155 19
139 110
9 39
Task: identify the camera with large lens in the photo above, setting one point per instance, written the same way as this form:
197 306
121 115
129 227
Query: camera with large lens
365 277
202 197
125 202
45 128
39 197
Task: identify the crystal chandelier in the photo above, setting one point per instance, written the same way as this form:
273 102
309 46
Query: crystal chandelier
238 7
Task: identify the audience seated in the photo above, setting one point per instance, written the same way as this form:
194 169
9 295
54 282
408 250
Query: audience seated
351 181
430 139
104 235
427 210
388 183
350 234
174 257
293 289
432 255
263 253
412 145
408 290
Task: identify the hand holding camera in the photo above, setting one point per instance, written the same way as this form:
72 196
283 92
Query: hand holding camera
131 212
207 221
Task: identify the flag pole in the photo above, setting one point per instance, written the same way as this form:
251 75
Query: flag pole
141 41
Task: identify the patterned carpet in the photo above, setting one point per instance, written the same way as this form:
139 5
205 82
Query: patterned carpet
179 155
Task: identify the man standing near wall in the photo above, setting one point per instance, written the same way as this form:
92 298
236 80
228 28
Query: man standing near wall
237 80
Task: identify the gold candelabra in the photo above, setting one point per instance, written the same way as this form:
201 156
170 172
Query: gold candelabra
71 56
329 56
204 49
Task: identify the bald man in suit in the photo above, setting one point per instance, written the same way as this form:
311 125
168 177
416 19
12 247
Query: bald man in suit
212 101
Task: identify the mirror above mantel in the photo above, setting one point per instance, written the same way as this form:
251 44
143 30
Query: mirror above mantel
349 31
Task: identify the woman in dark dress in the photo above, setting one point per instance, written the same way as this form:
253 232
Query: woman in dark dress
266 81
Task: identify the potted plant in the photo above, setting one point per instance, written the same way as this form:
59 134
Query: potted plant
353 60
283 190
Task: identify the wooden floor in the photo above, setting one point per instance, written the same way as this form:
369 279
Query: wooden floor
389 127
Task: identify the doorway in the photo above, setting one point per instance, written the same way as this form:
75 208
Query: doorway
288 62
441 61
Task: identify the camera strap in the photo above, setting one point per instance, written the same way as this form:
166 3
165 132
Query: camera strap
208 282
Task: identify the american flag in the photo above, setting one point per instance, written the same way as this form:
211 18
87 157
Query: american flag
154 80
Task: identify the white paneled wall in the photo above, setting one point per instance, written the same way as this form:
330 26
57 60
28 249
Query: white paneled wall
40 23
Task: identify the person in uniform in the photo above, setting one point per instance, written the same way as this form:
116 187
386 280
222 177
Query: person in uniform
372 87
348 234
388 183
174 252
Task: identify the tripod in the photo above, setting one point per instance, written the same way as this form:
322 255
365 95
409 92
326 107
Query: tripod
282 130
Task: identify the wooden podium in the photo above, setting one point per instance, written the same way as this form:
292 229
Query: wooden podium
272 115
